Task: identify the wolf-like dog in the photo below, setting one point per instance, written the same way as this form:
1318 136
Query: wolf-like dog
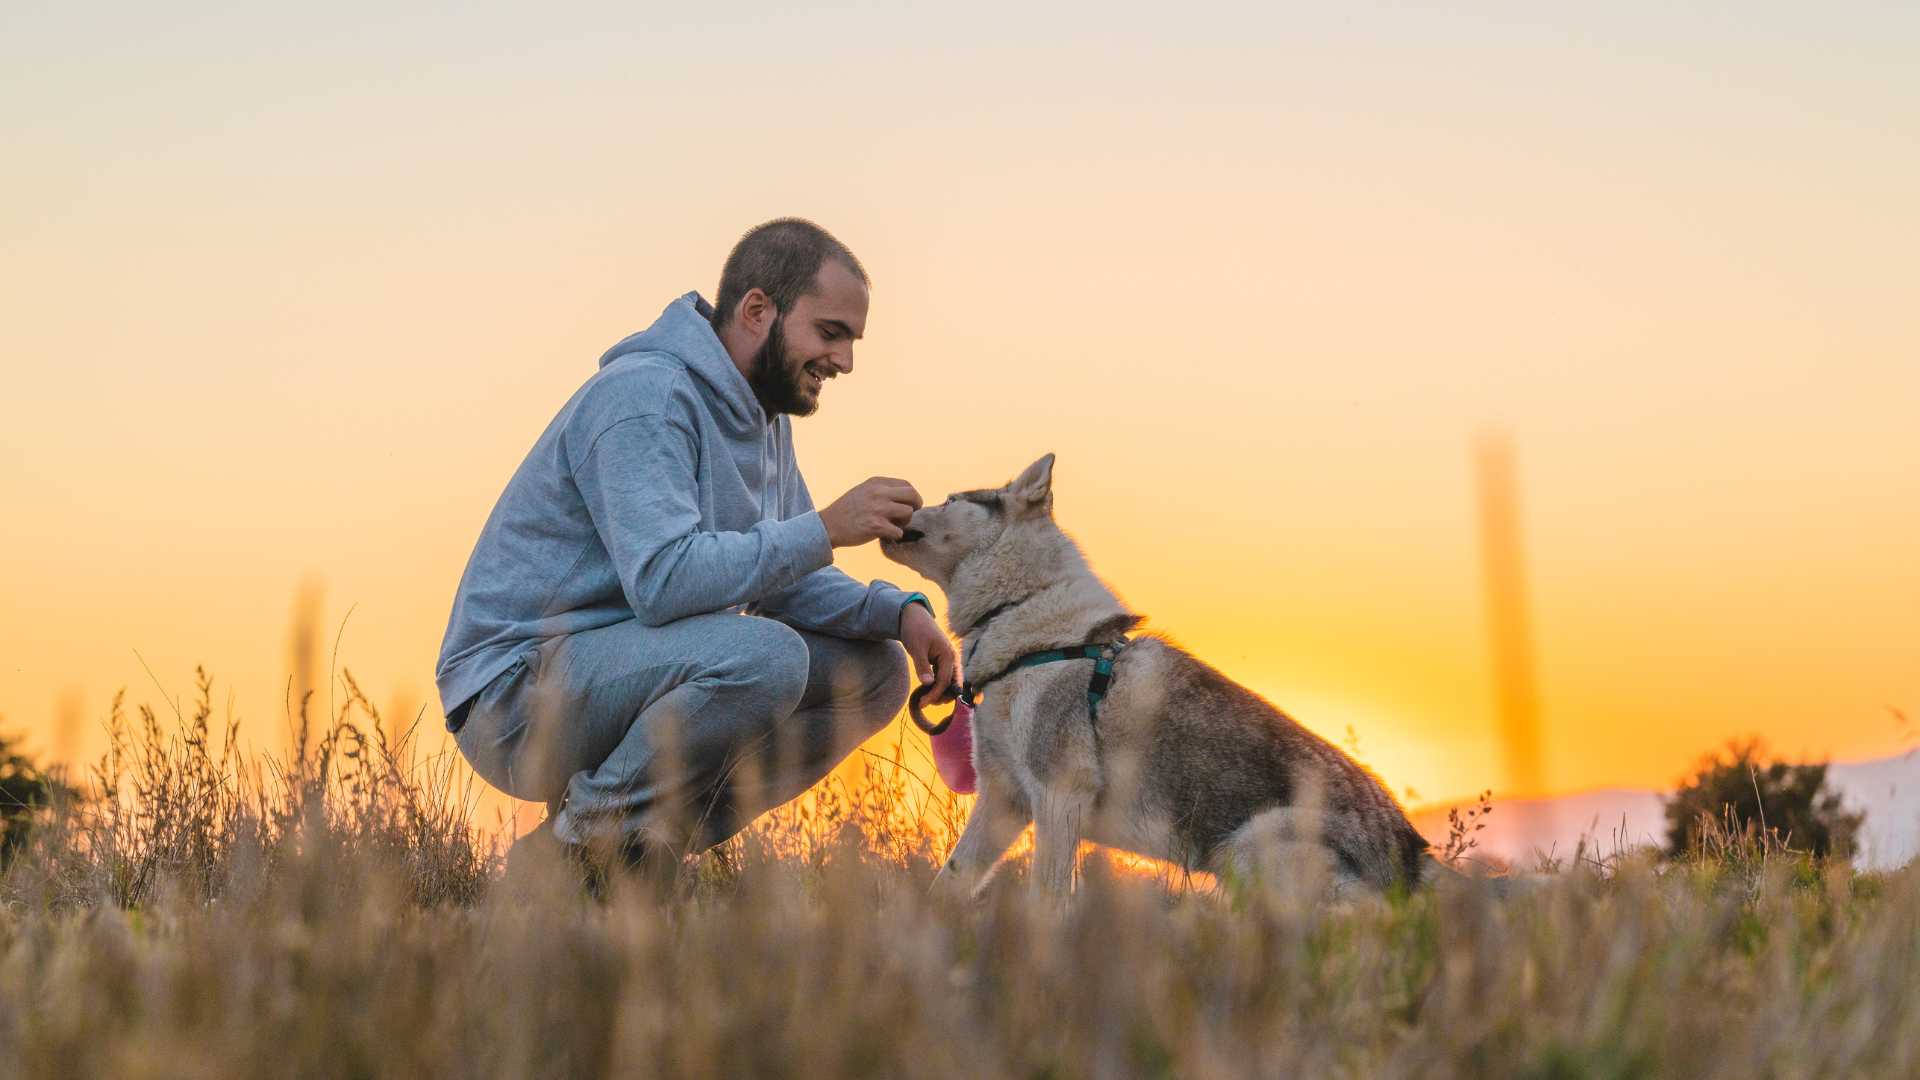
1176 760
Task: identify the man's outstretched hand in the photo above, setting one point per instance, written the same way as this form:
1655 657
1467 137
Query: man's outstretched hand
875 510
930 650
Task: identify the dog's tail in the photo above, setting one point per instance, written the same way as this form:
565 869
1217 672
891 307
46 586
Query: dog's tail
1433 870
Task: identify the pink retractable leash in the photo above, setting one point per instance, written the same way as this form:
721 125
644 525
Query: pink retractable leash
952 740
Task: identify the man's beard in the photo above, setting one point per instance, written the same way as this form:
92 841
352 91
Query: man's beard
775 381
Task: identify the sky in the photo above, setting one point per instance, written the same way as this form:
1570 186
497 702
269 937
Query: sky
287 295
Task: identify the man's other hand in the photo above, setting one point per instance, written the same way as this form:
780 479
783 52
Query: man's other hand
930 650
878 509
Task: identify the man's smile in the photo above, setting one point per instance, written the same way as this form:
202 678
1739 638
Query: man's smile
817 377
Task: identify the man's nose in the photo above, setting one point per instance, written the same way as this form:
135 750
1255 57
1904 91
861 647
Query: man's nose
843 361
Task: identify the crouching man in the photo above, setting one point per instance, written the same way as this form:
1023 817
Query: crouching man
650 636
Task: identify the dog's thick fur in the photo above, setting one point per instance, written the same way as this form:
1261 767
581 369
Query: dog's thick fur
1183 763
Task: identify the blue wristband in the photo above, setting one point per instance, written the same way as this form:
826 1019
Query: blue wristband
915 598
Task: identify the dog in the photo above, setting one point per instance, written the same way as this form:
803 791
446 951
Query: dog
1130 741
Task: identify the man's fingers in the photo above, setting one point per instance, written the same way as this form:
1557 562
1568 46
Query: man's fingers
897 489
943 673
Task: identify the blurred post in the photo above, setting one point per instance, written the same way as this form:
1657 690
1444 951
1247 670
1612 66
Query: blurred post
1510 631
68 718
303 667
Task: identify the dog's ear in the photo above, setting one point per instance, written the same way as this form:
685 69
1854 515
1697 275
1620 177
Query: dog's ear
1035 486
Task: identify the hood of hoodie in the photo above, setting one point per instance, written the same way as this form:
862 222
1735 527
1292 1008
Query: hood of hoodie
683 331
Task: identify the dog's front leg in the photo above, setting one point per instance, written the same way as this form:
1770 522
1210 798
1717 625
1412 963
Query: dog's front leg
1059 821
1064 758
997 820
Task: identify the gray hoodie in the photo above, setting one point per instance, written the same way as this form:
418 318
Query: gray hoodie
660 490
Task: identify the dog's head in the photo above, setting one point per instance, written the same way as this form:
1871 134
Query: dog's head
991 524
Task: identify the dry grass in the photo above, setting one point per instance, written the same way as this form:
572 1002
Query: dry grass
208 915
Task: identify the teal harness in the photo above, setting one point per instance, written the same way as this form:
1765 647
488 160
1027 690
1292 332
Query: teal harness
1102 655
1102 678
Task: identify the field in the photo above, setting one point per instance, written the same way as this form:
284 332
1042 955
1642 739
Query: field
336 915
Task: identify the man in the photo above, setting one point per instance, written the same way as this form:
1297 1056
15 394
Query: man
650 636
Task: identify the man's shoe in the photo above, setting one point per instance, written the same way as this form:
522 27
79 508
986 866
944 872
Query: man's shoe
631 858
651 865
537 847
542 854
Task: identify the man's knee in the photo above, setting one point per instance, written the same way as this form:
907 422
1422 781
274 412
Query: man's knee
771 657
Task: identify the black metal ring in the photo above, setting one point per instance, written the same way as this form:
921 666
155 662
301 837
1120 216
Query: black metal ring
919 718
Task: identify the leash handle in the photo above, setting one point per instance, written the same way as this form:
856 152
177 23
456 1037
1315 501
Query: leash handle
920 718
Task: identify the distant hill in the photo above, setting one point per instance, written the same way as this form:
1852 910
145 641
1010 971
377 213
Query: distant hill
1888 789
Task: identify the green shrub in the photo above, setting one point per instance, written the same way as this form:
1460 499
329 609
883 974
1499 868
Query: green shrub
1776 803
24 789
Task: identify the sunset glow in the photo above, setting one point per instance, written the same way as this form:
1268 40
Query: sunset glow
284 305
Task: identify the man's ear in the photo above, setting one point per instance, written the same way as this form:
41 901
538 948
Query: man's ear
756 313
1035 486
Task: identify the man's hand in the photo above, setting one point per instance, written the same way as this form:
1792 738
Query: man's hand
930 650
877 509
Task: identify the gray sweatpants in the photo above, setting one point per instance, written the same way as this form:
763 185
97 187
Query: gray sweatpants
683 732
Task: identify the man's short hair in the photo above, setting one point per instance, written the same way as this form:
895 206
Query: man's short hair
781 258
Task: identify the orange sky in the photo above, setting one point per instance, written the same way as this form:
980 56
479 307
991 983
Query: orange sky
287 300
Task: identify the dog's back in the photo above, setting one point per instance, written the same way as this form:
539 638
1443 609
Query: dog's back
1206 756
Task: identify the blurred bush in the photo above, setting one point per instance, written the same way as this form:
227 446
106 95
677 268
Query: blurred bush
1780 805
24 789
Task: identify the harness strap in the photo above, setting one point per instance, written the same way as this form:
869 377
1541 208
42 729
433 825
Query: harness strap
1102 655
